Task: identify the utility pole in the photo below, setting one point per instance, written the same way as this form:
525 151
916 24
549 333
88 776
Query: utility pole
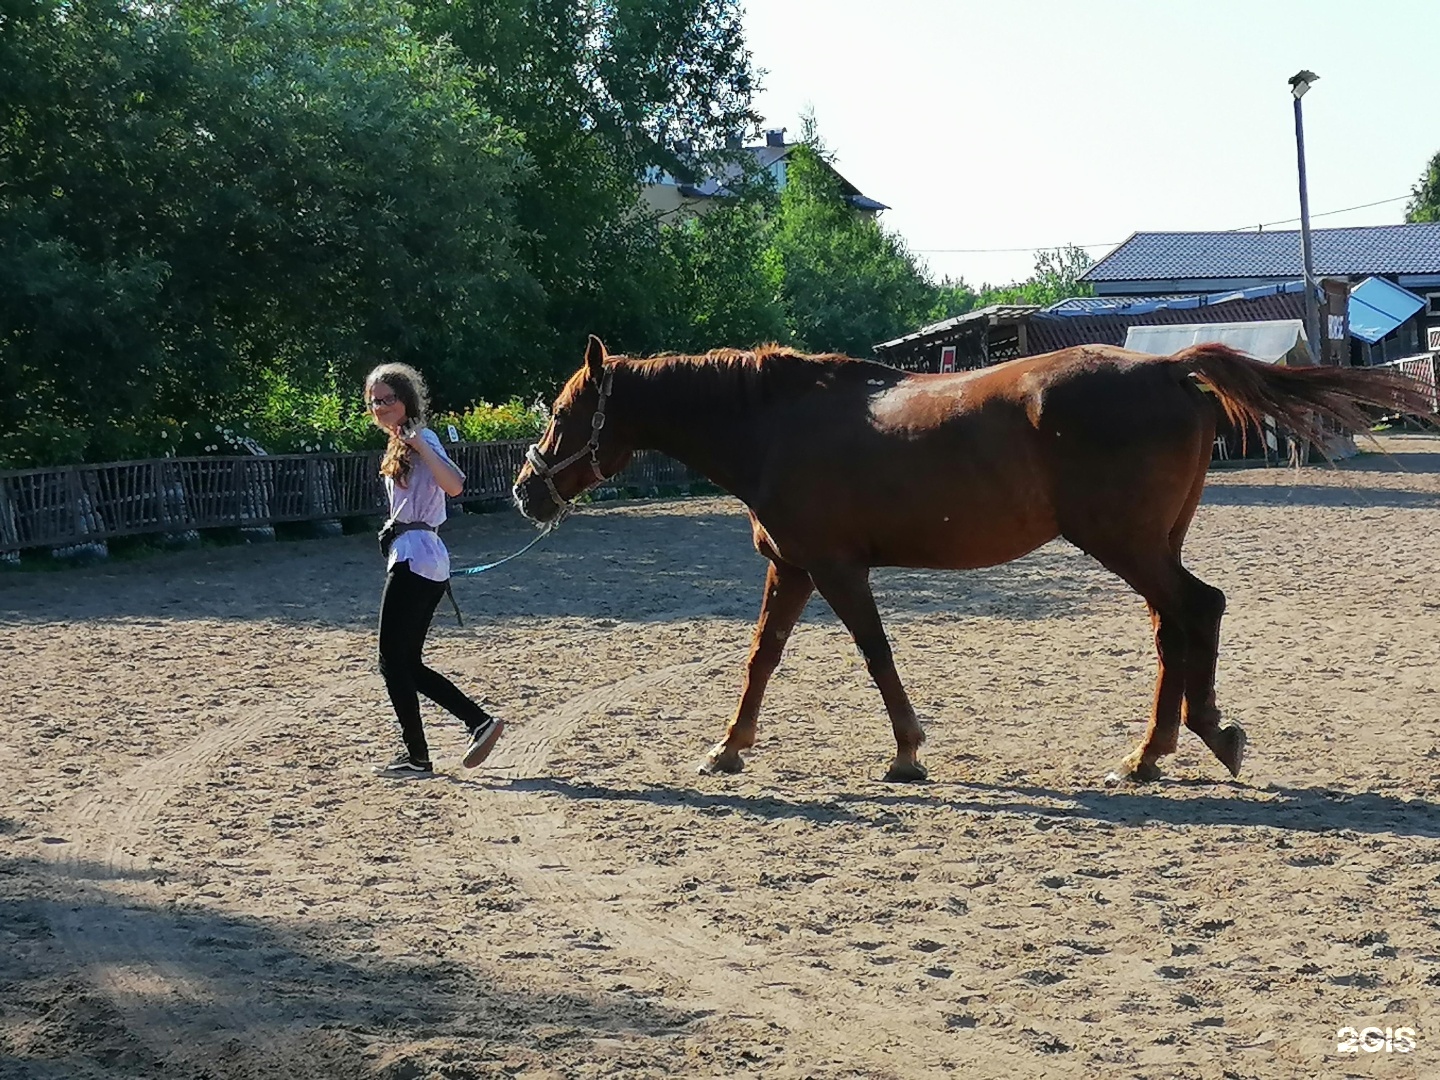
1299 83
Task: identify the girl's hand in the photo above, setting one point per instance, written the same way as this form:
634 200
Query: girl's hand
411 437
447 473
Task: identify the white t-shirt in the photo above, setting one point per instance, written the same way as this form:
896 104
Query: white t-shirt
422 499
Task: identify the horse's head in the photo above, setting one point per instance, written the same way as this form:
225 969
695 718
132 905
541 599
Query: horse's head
578 450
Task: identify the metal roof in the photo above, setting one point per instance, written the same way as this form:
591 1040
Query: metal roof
994 313
864 202
765 155
1354 252
1084 306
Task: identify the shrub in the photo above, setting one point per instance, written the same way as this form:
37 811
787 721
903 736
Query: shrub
484 422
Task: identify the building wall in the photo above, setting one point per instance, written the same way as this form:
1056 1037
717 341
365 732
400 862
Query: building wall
666 199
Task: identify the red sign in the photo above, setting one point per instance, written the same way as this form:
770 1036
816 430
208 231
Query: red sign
947 358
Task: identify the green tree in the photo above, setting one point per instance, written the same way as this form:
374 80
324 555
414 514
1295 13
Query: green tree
722 290
1424 204
846 282
952 297
1057 277
605 91
203 199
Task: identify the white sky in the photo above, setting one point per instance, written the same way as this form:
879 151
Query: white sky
1035 123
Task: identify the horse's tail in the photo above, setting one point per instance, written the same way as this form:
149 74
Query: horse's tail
1299 398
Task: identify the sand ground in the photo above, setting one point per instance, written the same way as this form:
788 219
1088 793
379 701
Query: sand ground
199 877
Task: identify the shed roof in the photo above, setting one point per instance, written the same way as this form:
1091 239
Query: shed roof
1353 252
983 317
1107 323
1268 341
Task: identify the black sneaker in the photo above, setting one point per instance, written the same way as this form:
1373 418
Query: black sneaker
404 767
482 741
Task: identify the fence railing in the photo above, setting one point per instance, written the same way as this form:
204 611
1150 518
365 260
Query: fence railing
82 504
1425 370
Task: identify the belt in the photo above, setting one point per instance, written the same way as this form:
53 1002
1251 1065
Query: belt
393 529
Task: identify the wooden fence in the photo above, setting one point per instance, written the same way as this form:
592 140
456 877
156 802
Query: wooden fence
87 504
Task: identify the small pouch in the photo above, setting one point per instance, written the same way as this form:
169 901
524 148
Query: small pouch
391 529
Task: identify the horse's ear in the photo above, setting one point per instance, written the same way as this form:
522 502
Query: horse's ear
595 357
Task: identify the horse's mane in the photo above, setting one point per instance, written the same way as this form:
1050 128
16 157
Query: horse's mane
765 371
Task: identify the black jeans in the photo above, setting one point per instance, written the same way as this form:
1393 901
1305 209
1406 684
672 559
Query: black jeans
406 607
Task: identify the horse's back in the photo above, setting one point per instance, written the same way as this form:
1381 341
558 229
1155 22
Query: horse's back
977 468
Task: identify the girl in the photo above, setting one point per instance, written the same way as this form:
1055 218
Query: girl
418 475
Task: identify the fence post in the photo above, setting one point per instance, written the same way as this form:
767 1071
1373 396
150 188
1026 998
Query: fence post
83 522
9 529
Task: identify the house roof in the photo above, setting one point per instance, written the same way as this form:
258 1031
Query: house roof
765 155
1355 252
1086 306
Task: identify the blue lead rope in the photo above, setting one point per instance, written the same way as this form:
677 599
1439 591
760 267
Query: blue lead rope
467 570
501 562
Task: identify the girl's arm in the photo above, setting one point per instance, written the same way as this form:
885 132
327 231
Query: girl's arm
450 478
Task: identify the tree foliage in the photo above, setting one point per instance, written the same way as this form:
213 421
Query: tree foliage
723 290
216 215
1424 204
603 90
1057 277
200 195
847 283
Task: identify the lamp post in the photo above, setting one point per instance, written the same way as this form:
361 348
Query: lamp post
1299 83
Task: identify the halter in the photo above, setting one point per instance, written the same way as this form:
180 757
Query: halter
547 472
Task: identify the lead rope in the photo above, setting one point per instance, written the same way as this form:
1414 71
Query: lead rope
468 570
549 528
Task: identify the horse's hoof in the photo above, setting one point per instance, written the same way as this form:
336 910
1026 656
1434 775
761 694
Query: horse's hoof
721 762
906 772
1135 772
1231 750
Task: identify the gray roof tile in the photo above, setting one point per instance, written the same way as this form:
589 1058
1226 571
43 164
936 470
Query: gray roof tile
1378 249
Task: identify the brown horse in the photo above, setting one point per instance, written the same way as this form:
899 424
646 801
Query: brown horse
848 464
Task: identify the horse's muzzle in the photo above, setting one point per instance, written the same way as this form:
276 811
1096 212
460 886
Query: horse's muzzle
532 500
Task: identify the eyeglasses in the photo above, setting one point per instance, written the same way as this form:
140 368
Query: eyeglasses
383 402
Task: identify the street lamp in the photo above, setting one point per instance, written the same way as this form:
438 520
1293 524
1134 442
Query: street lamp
1299 83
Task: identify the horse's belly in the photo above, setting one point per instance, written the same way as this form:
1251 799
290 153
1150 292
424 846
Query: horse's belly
958 542
933 505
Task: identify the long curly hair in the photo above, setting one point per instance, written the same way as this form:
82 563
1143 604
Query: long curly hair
409 386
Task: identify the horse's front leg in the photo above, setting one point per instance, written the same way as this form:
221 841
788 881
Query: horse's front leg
847 590
787 590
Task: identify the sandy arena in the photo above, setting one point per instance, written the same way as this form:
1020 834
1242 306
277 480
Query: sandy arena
199 877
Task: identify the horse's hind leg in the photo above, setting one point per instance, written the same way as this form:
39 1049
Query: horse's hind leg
787 589
1205 605
1186 614
1200 713
847 590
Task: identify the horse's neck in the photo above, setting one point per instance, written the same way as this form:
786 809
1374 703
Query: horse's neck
695 421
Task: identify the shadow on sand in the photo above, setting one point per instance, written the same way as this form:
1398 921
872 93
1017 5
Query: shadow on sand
1293 809
205 994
